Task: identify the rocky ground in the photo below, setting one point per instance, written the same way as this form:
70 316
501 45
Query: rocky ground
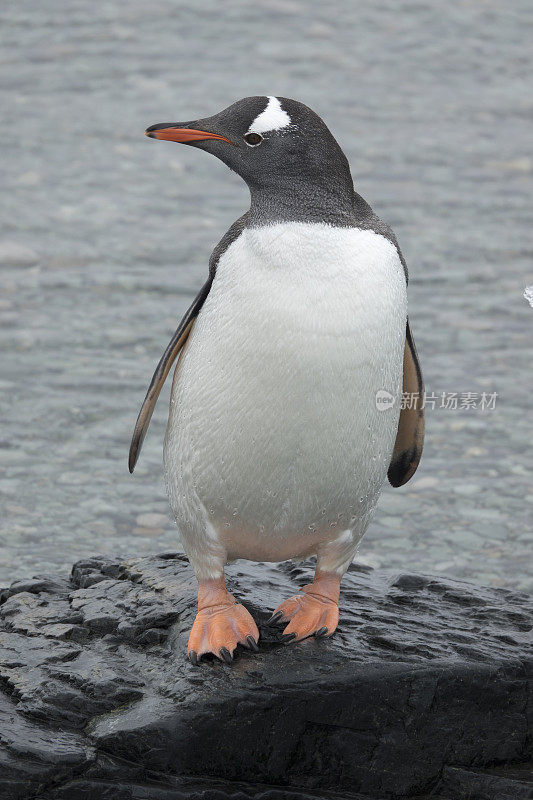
106 235
425 689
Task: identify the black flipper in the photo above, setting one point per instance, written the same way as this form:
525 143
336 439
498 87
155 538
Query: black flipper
162 370
176 343
410 437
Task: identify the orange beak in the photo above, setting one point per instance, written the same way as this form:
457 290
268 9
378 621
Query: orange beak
172 133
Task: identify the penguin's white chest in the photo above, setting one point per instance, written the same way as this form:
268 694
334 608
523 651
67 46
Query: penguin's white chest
274 445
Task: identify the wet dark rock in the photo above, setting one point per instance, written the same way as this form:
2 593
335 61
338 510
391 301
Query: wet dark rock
509 783
424 689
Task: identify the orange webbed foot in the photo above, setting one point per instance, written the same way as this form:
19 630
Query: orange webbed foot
219 627
315 612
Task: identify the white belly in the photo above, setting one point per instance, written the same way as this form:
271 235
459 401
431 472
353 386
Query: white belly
274 447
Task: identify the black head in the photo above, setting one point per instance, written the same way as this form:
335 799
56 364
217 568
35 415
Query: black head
280 147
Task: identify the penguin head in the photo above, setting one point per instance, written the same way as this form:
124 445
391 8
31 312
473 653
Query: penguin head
271 142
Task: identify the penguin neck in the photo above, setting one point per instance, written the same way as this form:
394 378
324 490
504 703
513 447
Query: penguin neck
305 201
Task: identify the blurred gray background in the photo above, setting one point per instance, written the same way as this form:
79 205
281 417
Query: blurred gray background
106 235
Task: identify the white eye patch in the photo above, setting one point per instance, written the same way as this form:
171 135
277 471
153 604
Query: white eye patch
271 119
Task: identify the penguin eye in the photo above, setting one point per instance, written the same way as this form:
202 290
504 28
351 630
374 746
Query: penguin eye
253 139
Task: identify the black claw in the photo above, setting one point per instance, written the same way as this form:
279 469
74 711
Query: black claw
275 618
193 658
252 644
288 637
321 632
226 655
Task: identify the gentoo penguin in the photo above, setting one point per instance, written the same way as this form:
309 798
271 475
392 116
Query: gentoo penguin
285 412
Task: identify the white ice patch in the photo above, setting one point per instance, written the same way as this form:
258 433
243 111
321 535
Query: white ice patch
271 119
528 294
